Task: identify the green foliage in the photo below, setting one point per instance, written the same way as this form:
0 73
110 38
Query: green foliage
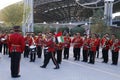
38 29
12 15
80 30
53 30
98 25
116 31
98 16
62 29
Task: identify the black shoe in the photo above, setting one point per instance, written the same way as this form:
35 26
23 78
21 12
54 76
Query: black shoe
89 62
30 61
16 76
56 67
103 61
75 59
64 58
78 59
113 64
42 66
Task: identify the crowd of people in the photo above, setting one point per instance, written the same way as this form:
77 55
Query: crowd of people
35 45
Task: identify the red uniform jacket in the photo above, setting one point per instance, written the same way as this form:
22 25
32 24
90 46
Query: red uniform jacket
51 45
39 41
98 42
85 44
67 42
103 41
28 41
116 47
33 41
93 45
16 42
77 42
111 42
59 46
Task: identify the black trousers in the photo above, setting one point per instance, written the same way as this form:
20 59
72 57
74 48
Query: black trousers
74 52
66 53
97 52
92 57
0 48
26 52
48 56
15 63
45 54
39 51
59 56
115 57
85 55
105 55
32 55
77 53
5 49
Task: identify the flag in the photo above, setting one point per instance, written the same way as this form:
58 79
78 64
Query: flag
59 37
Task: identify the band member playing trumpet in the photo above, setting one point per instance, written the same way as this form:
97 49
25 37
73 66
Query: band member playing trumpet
115 52
85 48
98 45
67 42
105 48
77 41
92 46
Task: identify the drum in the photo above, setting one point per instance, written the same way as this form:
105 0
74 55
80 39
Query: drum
2 39
33 48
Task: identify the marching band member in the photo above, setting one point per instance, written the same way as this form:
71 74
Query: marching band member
11 32
59 48
89 39
50 52
92 52
16 46
98 45
85 49
28 41
77 41
73 47
39 42
115 52
67 42
4 42
33 48
0 42
105 48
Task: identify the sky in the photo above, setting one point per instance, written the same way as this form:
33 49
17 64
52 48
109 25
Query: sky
4 3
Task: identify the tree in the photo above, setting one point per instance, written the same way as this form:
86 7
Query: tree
80 30
98 24
13 14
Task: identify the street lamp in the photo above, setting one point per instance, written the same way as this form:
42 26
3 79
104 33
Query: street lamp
44 23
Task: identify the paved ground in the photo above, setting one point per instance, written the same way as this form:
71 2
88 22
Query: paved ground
69 70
